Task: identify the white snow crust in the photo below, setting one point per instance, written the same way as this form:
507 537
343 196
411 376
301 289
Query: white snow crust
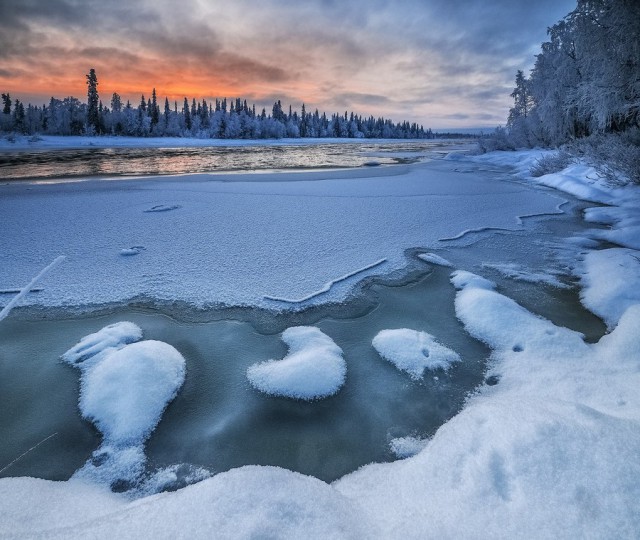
413 351
313 368
237 239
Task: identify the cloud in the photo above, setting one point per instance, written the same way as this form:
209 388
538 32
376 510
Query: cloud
392 58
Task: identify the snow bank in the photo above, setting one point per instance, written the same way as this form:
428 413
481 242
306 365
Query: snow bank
413 351
611 283
624 221
313 368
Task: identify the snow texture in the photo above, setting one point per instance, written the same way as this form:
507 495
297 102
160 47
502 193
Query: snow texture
4 313
328 285
313 368
404 447
435 259
125 386
611 283
239 237
413 351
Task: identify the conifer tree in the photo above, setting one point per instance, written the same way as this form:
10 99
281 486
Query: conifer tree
155 110
93 115
6 104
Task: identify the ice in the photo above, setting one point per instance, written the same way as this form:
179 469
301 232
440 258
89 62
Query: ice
305 230
327 287
550 451
518 272
434 259
29 287
611 282
133 250
313 368
413 351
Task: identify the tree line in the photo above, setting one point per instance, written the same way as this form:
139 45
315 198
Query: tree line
219 119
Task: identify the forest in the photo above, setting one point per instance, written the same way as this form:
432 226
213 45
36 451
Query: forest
583 93
219 119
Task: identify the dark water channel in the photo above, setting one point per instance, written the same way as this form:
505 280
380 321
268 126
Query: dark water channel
113 162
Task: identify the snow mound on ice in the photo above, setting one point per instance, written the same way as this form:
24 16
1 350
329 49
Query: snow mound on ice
133 250
435 259
413 351
125 386
314 367
110 338
126 393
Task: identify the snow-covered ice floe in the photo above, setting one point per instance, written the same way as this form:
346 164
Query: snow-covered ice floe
413 351
313 368
404 447
125 386
280 241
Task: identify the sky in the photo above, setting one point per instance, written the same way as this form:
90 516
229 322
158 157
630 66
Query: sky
441 63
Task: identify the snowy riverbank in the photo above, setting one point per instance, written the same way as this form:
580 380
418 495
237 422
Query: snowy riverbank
550 451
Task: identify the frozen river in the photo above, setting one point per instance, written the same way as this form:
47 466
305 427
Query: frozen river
220 265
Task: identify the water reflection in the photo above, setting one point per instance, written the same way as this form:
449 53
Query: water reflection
69 163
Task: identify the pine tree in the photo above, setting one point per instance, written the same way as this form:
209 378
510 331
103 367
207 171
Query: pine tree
6 104
155 110
187 114
93 115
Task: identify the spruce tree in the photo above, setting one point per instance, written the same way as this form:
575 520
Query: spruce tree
93 115
6 104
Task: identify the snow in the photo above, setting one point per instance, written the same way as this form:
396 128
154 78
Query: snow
327 287
126 393
611 282
110 338
313 368
550 451
232 239
125 386
413 351
4 313
434 259
404 447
